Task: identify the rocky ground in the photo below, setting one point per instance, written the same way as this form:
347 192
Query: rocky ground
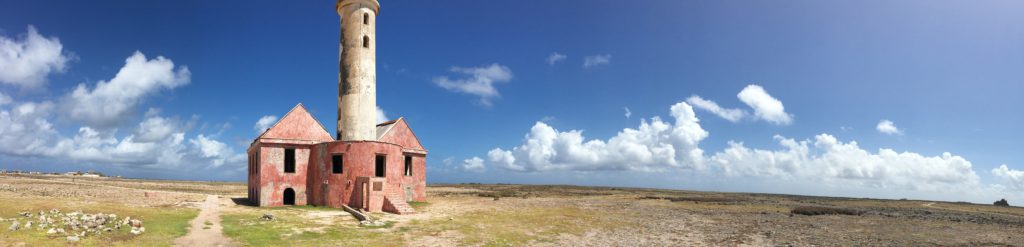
485 215
42 210
662 217
73 226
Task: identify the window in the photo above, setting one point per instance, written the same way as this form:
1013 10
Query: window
366 41
289 160
380 166
337 164
366 19
408 165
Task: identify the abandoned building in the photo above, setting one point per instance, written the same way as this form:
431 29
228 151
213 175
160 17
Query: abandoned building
365 165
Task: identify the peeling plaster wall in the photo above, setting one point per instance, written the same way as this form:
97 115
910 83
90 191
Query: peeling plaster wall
315 183
298 124
359 161
273 180
402 135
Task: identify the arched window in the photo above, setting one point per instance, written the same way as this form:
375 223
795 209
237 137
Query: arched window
366 41
366 19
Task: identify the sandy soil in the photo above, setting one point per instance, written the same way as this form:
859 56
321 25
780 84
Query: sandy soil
690 218
607 216
205 229
86 190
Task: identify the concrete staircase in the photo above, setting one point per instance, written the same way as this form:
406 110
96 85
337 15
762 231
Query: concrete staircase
395 203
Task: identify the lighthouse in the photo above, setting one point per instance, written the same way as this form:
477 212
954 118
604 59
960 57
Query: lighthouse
366 165
357 70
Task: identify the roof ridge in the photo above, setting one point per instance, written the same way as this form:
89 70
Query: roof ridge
297 106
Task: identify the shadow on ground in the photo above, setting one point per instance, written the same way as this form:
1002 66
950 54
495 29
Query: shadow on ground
242 201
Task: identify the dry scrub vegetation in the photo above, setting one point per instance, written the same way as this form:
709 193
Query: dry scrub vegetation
525 215
166 214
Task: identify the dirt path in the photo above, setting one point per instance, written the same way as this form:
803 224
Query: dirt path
205 229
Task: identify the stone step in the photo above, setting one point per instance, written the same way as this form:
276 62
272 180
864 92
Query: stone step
397 202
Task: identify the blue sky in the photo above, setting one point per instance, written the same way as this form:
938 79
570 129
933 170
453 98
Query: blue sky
849 98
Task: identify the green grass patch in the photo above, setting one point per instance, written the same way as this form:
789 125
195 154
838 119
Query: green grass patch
518 227
291 229
418 205
163 224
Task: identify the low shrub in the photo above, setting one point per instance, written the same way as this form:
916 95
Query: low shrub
818 210
690 199
497 194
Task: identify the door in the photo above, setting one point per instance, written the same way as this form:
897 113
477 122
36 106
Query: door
366 196
408 193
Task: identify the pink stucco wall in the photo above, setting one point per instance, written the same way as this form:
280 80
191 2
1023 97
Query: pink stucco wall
359 161
314 182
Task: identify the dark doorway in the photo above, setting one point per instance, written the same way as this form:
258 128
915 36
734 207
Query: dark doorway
289 196
381 165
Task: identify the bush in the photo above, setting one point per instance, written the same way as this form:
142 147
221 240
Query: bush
816 210
1002 202
497 194
691 199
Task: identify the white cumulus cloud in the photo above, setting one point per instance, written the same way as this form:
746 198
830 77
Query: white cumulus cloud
1013 178
27 62
652 146
264 123
732 115
556 57
479 81
217 152
26 129
475 164
661 146
595 60
765 106
156 128
381 115
828 160
628 112
109 103
888 127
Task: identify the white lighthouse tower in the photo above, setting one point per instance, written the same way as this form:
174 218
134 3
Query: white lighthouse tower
357 70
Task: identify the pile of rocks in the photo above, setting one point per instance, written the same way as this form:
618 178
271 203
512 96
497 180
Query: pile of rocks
7 187
267 217
74 225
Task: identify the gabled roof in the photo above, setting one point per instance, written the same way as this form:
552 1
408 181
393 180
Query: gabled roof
385 127
298 124
398 132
